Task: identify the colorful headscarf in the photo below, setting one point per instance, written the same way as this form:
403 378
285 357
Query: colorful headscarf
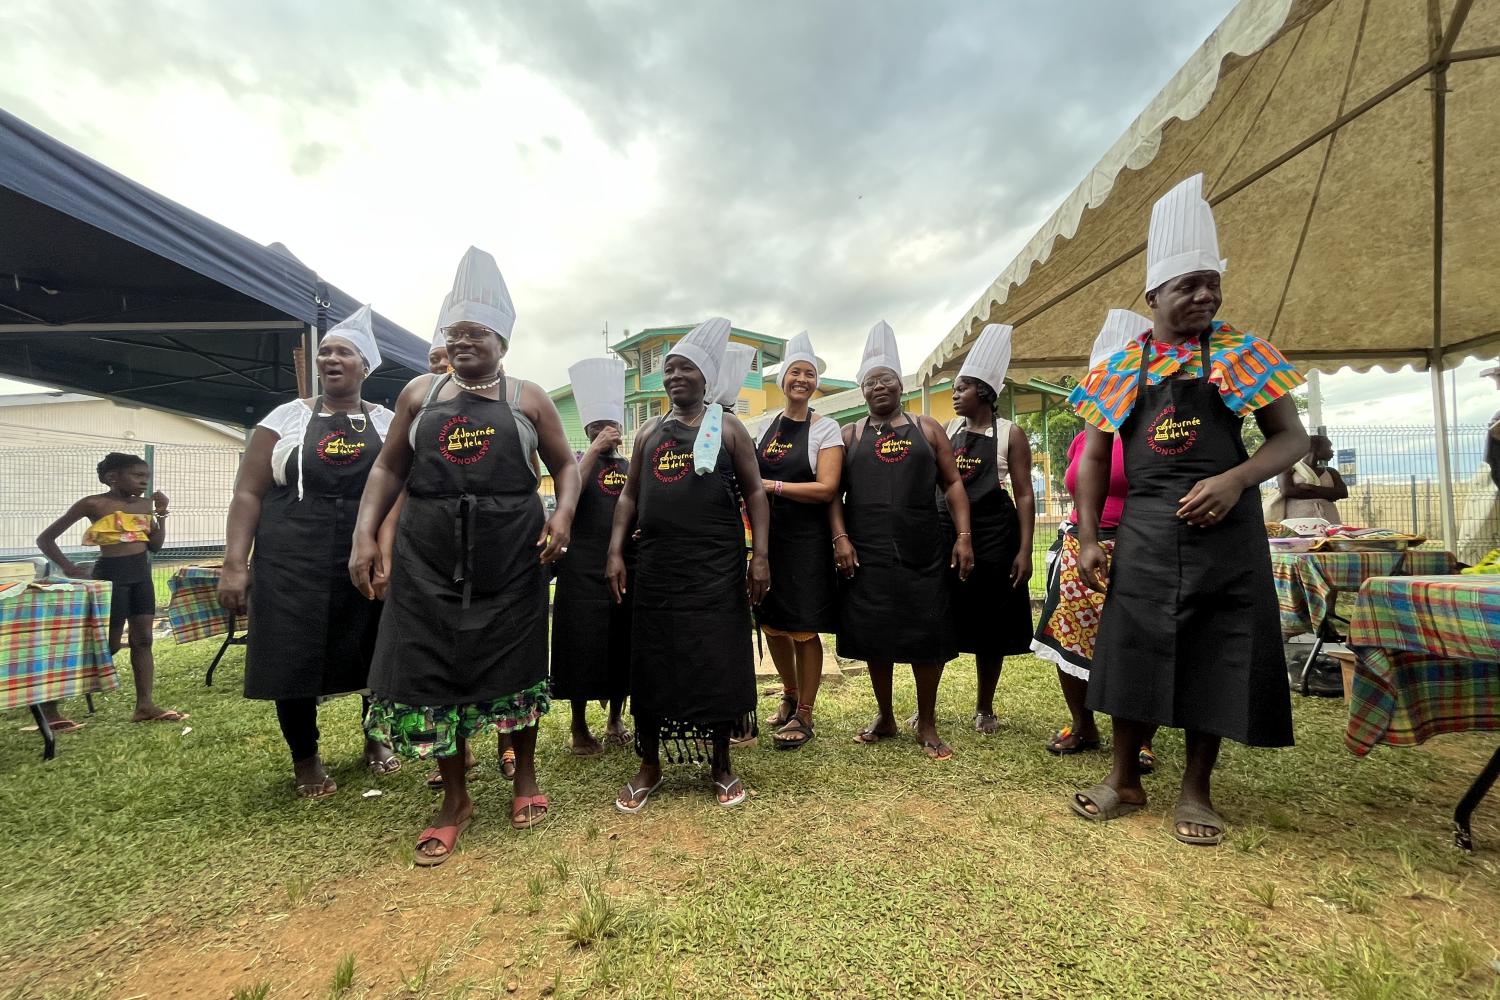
1249 372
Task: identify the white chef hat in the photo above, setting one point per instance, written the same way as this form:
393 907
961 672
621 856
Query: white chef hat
1182 238
800 348
1121 327
358 331
989 359
704 346
738 359
438 339
880 351
599 389
479 296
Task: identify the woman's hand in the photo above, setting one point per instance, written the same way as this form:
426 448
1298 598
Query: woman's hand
614 572
366 565
234 587
845 559
381 581
1020 569
160 500
1211 500
606 440
758 578
963 556
1093 566
553 541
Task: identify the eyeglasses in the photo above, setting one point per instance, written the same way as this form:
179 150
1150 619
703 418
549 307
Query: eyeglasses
464 331
880 380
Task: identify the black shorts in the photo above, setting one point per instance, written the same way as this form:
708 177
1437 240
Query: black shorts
133 594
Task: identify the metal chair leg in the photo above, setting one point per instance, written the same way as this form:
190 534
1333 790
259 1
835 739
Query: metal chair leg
208 680
49 739
1463 838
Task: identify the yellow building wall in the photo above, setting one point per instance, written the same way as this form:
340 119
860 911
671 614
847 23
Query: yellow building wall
939 406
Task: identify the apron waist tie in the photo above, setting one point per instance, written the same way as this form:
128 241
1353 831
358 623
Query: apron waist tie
463 544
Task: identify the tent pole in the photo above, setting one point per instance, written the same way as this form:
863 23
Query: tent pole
926 405
1444 456
309 386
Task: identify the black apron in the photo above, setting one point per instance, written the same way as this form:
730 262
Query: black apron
1190 636
314 632
692 672
895 608
990 617
466 615
590 632
804 591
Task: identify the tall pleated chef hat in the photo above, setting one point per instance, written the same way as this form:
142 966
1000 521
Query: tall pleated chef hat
1183 238
599 389
737 361
438 340
358 331
479 296
704 346
1121 327
989 359
880 351
800 348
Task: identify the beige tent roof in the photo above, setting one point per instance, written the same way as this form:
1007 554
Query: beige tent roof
1351 150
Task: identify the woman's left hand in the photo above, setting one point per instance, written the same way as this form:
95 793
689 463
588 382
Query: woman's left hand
1020 570
758 578
963 557
1211 500
553 541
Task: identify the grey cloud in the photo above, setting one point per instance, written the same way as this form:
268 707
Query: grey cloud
825 163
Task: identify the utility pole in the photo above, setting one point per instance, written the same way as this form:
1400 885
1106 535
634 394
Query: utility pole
1315 401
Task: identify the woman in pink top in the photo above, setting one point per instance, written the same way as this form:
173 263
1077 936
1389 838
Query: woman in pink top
1070 615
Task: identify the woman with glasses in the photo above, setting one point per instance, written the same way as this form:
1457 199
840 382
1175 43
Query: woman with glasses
888 545
463 642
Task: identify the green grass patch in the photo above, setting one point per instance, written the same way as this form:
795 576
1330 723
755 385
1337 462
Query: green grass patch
150 861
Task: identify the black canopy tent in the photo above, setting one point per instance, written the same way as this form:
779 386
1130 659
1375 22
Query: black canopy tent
110 289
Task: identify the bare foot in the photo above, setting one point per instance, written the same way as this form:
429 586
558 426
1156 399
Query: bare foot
151 713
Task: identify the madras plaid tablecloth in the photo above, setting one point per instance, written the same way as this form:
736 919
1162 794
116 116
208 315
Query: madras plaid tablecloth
193 611
1308 583
1429 660
54 641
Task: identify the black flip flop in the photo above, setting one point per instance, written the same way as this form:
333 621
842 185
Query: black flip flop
800 737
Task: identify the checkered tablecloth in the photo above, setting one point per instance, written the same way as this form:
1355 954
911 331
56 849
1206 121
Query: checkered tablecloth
194 612
54 641
1429 659
1308 583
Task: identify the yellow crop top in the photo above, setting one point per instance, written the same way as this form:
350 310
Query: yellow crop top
118 528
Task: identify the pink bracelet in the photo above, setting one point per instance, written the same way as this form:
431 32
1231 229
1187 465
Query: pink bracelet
777 490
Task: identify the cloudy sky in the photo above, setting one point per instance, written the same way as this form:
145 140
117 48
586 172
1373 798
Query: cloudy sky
787 164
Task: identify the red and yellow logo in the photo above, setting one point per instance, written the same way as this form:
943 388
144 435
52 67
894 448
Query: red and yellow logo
776 450
892 448
671 462
1169 436
463 443
335 449
968 465
610 481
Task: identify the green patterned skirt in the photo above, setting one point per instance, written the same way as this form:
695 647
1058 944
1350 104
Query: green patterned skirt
425 731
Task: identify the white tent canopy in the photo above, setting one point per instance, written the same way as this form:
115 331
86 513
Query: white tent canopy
1351 150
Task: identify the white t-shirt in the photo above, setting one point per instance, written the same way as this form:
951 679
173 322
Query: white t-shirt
289 423
823 432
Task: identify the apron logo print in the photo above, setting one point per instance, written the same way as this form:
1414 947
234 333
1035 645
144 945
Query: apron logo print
462 444
669 464
611 481
1170 436
892 448
775 450
334 449
968 465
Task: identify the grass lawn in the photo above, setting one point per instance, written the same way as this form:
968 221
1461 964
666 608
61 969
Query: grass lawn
145 862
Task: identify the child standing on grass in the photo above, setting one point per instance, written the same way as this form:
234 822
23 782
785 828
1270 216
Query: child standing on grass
125 526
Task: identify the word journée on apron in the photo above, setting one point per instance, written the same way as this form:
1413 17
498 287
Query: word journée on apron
473 453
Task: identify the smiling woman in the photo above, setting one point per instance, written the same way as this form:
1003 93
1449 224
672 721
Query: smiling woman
462 647
294 503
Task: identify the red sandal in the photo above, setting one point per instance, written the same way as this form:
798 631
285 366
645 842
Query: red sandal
528 811
445 835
